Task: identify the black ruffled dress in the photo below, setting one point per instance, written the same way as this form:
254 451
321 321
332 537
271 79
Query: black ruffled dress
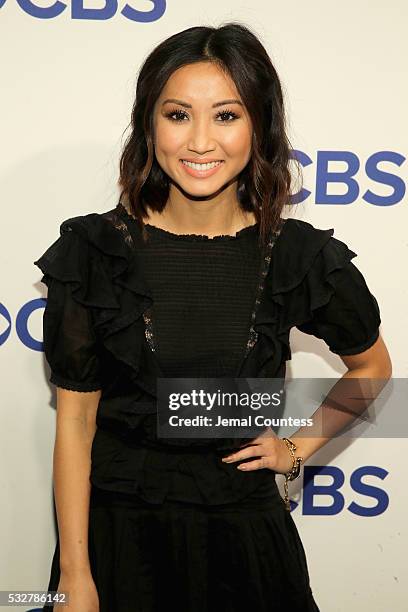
170 524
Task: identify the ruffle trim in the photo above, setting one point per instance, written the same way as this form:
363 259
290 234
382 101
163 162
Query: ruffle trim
300 279
245 231
93 257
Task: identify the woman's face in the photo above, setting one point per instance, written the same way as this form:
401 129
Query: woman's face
202 131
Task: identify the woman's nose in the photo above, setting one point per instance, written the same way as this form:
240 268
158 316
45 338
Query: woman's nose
201 137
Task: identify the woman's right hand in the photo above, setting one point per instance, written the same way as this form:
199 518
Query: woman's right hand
81 593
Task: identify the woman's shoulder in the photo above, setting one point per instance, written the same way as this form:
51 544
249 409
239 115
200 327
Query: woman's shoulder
93 245
318 289
107 231
304 230
302 248
97 227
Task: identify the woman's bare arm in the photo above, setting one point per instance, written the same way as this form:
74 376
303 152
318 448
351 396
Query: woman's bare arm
75 430
368 373
346 401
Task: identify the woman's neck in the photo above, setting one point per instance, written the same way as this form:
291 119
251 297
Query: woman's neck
202 217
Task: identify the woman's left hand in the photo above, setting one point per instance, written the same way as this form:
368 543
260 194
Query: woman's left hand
270 451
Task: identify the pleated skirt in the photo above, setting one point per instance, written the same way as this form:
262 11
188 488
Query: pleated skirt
234 557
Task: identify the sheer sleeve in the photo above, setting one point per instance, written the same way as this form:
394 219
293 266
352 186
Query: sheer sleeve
349 322
69 341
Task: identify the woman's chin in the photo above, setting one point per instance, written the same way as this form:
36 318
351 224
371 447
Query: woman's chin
203 189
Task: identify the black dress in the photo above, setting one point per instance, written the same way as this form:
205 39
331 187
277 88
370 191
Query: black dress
170 524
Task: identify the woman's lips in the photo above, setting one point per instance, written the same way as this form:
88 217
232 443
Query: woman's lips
200 173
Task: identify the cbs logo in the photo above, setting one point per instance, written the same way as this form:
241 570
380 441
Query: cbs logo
78 10
334 499
346 178
22 319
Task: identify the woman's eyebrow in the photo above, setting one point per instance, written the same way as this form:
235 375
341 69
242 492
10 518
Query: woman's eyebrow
187 105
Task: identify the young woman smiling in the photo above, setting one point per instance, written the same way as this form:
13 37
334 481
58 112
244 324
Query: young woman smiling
195 273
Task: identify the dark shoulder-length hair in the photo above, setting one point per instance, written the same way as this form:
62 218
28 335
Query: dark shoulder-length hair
264 185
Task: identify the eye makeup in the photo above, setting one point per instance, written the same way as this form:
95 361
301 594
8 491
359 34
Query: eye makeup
180 114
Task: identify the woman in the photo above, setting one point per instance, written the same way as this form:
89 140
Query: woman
194 274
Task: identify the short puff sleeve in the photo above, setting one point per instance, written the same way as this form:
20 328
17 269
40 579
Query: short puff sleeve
69 341
349 322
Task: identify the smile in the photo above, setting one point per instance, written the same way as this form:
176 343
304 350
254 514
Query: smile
201 170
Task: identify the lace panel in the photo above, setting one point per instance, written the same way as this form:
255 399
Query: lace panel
253 335
114 217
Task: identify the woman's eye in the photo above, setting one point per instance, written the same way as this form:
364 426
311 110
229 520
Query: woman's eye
178 115
225 114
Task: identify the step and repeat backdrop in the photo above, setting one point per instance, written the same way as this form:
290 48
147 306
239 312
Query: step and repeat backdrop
68 73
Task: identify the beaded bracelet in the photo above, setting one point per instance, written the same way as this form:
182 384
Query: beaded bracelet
294 472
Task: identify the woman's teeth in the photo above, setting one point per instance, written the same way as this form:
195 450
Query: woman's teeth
201 166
